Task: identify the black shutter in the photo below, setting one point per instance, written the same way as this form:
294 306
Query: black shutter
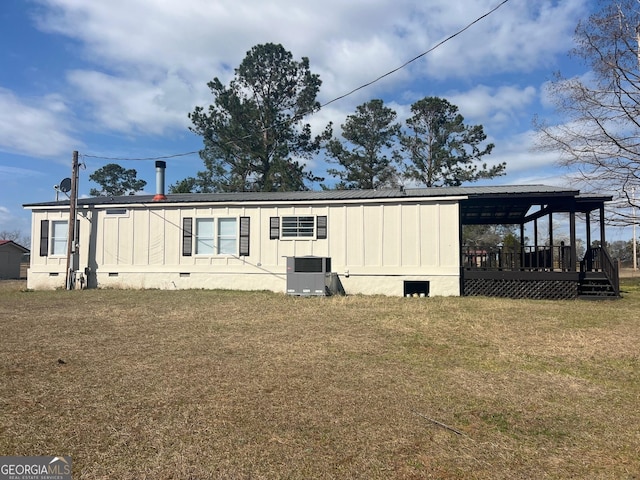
321 227
44 238
274 228
187 243
244 236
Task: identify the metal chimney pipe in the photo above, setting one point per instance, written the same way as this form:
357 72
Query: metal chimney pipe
160 168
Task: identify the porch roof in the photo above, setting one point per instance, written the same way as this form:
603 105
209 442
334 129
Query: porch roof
520 207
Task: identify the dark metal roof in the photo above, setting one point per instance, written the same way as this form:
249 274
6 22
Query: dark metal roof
326 195
509 204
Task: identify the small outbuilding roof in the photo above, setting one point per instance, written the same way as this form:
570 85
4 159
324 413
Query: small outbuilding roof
11 243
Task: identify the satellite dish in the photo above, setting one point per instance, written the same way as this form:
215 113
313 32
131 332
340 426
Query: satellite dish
65 185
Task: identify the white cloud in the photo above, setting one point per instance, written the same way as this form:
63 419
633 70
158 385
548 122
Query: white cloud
495 108
552 92
148 61
137 44
35 126
133 105
4 215
13 173
525 164
519 37
12 223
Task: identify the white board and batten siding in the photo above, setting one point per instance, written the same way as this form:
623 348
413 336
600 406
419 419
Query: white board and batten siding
374 246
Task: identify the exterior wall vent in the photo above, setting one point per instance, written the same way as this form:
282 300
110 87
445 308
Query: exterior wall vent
416 288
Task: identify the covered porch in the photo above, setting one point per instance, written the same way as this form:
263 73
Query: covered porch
527 269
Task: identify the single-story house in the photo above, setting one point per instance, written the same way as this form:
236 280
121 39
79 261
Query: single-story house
392 242
11 255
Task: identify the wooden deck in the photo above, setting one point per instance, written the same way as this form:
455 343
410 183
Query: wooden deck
539 273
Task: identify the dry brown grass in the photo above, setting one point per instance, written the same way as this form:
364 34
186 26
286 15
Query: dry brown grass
234 385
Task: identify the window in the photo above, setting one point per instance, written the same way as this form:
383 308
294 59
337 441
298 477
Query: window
298 227
212 236
204 236
53 237
307 227
59 231
227 236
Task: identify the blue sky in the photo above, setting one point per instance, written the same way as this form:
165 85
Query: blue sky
118 78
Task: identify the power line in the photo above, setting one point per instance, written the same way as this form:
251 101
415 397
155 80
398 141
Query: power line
391 72
84 155
437 45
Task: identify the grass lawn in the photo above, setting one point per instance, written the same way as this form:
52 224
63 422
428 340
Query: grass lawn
234 385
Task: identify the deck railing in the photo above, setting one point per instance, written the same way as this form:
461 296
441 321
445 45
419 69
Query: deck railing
527 258
597 259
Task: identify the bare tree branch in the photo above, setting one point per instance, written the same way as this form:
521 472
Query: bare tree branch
599 139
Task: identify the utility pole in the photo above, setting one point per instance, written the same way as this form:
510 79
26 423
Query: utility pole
635 239
633 190
71 235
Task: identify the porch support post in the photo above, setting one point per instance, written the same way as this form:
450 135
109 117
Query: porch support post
522 245
550 240
572 239
534 255
602 236
588 256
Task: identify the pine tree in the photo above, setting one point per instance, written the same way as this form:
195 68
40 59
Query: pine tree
367 160
254 135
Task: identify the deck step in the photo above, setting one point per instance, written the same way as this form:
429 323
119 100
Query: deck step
596 289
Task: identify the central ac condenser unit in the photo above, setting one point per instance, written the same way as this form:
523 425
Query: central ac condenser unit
308 276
